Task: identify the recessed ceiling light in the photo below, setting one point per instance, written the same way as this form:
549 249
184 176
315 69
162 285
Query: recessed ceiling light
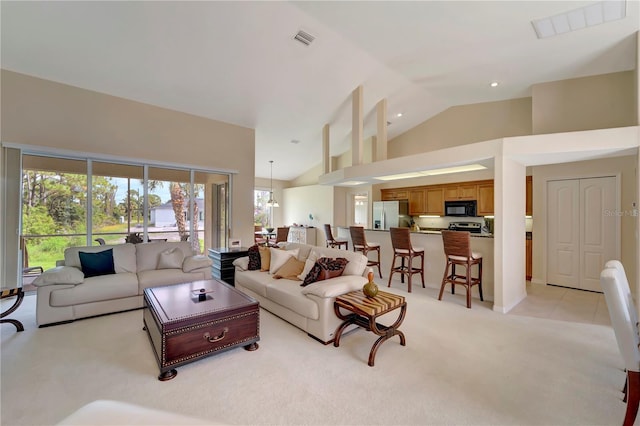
494 84
399 114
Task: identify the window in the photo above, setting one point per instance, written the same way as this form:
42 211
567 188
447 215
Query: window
56 212
261 213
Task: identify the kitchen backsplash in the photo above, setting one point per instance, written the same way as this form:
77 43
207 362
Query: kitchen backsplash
442 222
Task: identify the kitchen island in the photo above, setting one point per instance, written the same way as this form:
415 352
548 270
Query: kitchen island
434 259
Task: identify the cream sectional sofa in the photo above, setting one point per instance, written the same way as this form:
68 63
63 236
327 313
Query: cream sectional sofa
64 294
309 308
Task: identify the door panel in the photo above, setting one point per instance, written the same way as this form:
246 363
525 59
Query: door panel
598 230
563 239
581 236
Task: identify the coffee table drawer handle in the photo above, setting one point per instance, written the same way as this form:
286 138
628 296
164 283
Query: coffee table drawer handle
208 337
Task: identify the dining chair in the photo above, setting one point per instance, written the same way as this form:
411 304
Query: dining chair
333 242
360 244
613 284
282 235
457 250
258 236
403 250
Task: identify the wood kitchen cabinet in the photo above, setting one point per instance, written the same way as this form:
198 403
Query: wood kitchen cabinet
417 205
485 199
434 201
529 204
394 194
462 191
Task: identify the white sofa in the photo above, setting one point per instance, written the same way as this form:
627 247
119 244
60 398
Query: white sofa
309 308
64 294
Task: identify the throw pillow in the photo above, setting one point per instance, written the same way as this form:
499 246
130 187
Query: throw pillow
254 258
170 259
265 258
191 263
60 275
279 257
290 270
324 269
308 264
94 264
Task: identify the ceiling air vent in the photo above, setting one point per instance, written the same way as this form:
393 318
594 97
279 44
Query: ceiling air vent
304 38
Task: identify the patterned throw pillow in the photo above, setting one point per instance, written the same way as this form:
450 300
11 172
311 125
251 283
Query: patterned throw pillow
324 269
254 258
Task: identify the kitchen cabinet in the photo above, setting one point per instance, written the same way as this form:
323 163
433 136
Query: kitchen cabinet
417 205
529 204
394 194
461 191
485 199
434 201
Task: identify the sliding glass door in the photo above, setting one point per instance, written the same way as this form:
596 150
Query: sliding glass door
71 202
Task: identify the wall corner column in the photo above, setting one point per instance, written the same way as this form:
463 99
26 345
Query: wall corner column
509 234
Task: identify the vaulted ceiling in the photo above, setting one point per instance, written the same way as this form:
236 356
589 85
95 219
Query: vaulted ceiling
238 62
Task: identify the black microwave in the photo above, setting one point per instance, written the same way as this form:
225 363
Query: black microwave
460 208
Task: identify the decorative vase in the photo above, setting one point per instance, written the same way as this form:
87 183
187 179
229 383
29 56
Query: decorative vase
370 289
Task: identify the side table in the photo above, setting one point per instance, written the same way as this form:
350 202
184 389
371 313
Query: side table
222 257
20 295
365 310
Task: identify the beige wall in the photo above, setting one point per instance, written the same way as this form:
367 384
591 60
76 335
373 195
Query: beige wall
465 124
56 116
588 103
308 178
299 202
625 168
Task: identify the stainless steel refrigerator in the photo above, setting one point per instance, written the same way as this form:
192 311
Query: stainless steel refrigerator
390 214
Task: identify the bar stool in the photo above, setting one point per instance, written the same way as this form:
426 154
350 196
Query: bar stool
457 249
360 244
332 242
401 242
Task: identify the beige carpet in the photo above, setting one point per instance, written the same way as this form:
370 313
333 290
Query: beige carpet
459 367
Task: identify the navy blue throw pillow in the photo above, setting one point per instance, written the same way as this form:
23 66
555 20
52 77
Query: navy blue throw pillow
94 264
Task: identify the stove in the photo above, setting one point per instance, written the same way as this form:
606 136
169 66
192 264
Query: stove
473 227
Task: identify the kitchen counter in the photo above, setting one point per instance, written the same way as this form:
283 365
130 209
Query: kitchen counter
436 231
431 241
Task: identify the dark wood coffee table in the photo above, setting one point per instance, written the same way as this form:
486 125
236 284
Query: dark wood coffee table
364 312
187 322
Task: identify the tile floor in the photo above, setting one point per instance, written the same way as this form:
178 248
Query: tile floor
565 304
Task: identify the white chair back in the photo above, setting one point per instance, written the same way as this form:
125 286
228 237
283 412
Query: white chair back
624 326
633 311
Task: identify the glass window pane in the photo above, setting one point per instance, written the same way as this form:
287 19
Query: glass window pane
118 201
261 213
54 193
168 204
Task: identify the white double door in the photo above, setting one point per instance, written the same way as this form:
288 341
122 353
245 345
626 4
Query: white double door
581 230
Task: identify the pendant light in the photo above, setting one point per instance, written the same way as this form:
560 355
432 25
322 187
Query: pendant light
272 202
